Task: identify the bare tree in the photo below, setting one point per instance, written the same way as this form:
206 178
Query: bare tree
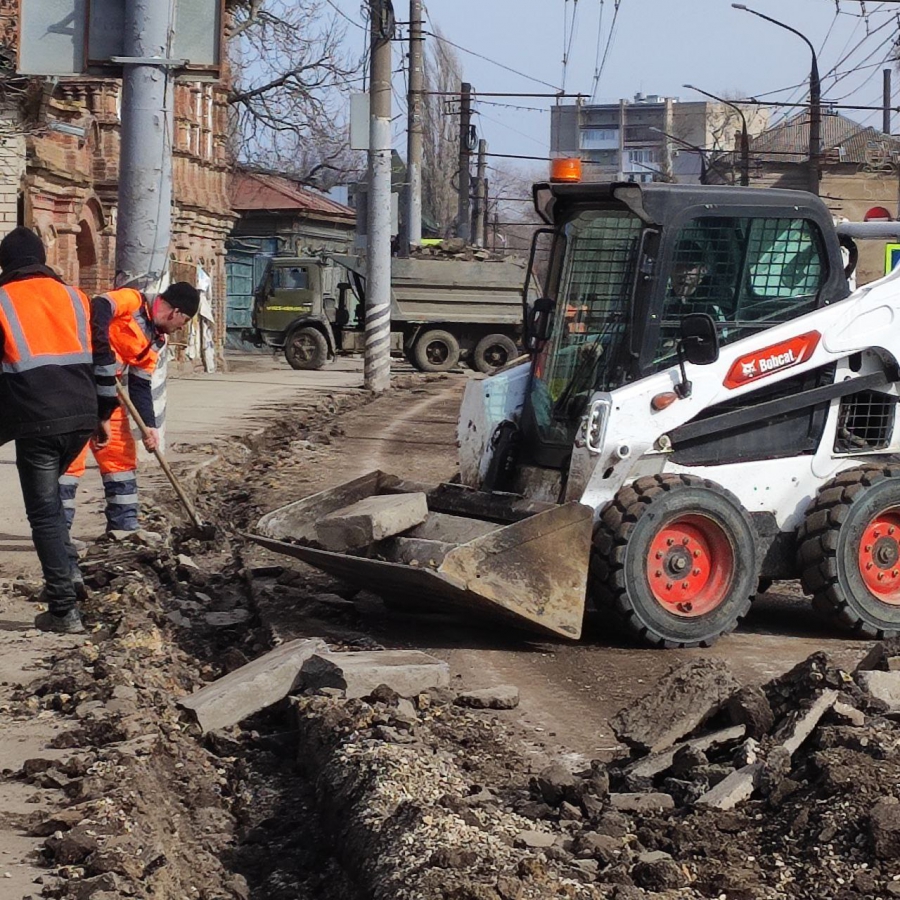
440 173
291 78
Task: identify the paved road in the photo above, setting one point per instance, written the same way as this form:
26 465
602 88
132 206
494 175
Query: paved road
200 409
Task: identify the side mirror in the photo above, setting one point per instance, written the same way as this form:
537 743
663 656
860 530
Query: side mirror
540 324
699 339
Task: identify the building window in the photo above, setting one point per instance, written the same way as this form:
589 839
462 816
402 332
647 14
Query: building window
599 138
642 161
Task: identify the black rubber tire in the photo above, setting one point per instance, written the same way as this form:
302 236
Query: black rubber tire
492 352
622 542
828 547
306 348
436 351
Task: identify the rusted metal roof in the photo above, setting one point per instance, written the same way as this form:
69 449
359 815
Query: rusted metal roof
843 141
259 191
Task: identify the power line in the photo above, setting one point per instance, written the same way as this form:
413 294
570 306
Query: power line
567 48
492 61
609 41
344 15
597 53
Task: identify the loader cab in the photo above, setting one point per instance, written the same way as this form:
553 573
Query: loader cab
628 264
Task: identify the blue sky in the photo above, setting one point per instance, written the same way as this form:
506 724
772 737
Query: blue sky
657 46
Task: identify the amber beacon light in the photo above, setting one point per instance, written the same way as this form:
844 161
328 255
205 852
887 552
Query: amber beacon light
565 170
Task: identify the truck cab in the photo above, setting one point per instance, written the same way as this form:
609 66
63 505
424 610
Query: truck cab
295 309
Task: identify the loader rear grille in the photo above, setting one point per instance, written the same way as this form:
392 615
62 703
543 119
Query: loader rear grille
865 422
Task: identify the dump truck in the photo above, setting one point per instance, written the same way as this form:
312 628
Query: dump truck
442 310
708 408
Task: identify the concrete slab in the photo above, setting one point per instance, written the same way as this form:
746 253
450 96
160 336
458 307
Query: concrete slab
371 519
253 687
358 673
882 685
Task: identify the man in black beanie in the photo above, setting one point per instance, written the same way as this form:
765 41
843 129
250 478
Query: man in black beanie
129 332
49 402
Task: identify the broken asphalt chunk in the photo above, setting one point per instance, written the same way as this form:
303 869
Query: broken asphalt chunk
504 696
680 701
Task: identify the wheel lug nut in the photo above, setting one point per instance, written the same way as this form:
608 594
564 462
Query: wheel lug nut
685 584
696 554
657 573
891 530
881 576
659 554
868 565
669 586
685 541
670 541
695 572
876 533
868 548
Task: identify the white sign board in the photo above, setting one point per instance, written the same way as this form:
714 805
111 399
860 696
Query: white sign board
72 37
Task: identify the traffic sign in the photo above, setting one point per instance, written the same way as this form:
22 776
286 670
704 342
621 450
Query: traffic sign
77 37
891 257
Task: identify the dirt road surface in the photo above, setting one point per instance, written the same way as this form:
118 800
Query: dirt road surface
320 430
568 690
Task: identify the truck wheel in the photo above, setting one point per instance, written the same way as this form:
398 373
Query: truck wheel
306 348
436 351
849 550
492 352
675 556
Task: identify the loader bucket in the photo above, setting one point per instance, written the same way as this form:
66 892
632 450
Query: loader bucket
497 555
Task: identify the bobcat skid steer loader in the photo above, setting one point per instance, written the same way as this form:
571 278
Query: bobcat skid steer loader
707 406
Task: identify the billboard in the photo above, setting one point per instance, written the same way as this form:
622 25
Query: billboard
77 37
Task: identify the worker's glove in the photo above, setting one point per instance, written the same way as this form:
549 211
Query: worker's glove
151 439
101 435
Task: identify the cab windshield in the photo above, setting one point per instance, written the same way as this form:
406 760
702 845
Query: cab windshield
588 348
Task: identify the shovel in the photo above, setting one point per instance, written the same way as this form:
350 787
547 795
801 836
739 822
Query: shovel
203 530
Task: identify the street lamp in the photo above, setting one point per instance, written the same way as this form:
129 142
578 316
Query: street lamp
745 136
815 100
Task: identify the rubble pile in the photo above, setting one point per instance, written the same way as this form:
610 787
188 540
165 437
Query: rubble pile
728 791
456 248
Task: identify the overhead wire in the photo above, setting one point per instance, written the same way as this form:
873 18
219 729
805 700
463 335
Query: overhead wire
597 53
567 47
609 42
500 65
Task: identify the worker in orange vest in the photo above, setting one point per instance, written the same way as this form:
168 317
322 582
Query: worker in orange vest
129 333
48 404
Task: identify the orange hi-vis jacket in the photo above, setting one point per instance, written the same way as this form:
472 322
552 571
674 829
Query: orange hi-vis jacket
46 387
127 344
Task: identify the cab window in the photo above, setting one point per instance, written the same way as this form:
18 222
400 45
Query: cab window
292 278
747 274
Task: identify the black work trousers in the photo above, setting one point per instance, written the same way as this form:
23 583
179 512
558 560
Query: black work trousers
41 461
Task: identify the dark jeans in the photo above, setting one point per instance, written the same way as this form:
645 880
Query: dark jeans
40 461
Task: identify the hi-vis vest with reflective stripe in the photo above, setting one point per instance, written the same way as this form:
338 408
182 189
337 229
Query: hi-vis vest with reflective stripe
44 323
132 336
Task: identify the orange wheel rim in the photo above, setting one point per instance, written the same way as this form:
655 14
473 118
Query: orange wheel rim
879 556
690 566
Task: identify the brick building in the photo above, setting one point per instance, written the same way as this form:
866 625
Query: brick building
59 161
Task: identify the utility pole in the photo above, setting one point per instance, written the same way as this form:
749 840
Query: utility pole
886 100
411 235
463 223
480 194
144 217
377 373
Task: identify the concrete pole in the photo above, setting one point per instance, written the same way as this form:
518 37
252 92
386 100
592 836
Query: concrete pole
886 100
464 216
480 196
377 373
412 219
144 220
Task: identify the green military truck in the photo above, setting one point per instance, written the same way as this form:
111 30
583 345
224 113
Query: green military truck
442 310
